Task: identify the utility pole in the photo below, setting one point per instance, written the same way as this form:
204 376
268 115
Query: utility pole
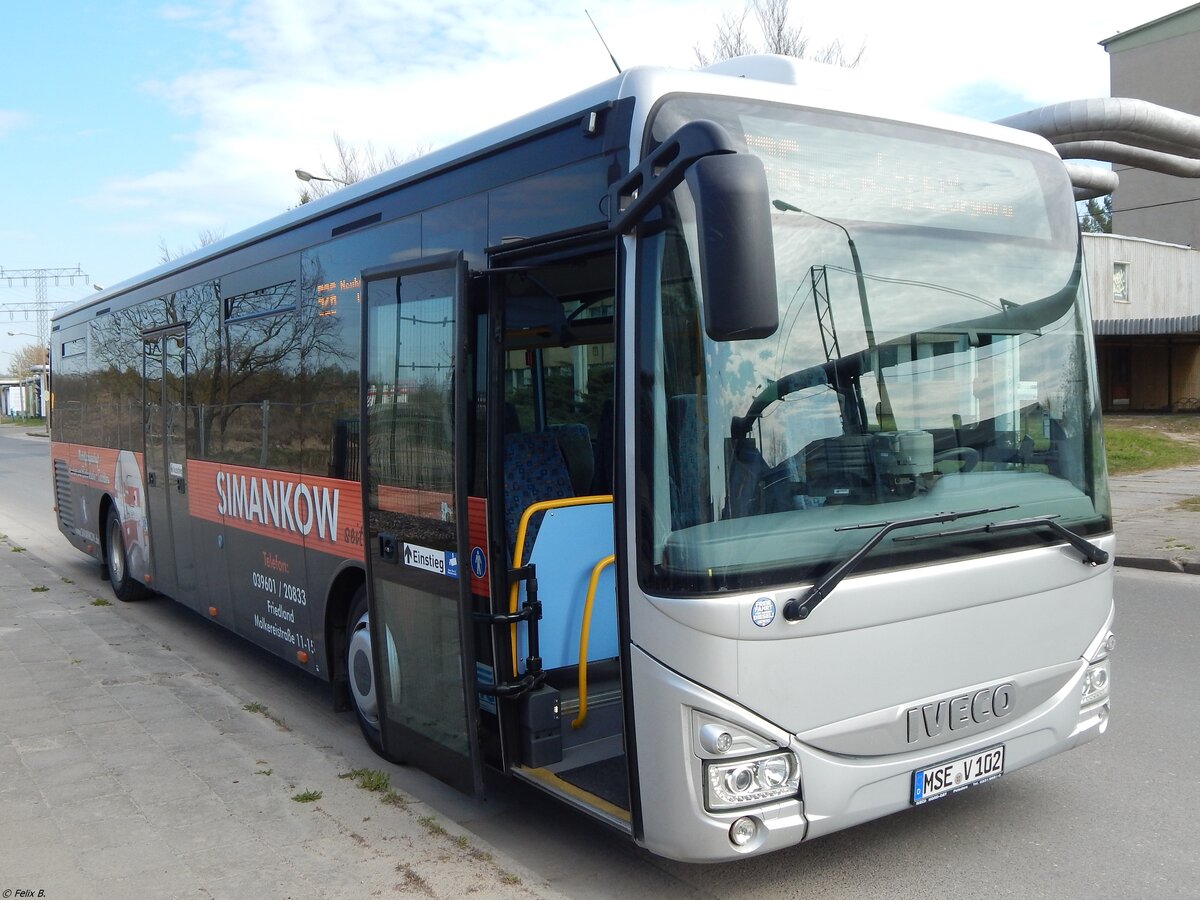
41 305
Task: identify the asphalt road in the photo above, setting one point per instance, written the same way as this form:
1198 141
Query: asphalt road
1117 817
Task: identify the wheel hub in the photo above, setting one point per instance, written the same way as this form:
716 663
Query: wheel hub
362 672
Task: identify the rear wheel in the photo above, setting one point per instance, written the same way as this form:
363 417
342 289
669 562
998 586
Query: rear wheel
360 670
117 561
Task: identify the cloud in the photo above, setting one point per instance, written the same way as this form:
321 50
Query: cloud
266 84
393 73
12 120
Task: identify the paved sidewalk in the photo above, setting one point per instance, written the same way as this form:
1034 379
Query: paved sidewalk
126 772
1153 530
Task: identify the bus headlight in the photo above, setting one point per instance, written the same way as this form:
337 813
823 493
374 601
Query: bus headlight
745 782
1095 684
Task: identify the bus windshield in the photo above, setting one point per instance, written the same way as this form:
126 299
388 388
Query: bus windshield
931 357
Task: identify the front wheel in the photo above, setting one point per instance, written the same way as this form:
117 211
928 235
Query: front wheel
360 670
117 561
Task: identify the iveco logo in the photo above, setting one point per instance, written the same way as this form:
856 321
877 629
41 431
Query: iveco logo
957 713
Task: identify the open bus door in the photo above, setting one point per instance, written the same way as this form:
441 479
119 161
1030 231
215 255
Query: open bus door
553 417
415 478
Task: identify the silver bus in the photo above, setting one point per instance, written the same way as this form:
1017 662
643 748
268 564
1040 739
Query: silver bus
716 451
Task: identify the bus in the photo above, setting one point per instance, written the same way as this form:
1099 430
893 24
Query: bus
717 451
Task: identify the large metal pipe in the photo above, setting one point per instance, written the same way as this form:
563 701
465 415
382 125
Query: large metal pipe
1119 130
1091 181
1134 157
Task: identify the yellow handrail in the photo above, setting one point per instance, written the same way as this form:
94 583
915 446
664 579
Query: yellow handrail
519 551
583 637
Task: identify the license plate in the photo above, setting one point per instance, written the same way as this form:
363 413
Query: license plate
956 774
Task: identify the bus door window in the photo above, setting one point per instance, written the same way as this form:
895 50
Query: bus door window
559 363
166 443
413 510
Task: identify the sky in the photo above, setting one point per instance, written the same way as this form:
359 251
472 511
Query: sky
132 125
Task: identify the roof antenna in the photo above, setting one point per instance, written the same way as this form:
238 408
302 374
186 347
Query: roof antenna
603 41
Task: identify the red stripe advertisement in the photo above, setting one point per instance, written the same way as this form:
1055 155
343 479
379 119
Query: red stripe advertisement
319 513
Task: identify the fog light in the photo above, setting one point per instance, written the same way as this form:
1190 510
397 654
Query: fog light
743 831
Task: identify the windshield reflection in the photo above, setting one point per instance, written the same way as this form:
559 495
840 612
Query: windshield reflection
937 361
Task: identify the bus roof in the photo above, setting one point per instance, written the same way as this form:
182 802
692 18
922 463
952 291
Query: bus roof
766 77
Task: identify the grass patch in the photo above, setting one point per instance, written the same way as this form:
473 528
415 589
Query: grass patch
393 798
264 771
432 825
18 549
100 601
377 782
369 779
1138 449
1190 504
509 878
261 709
39 589
413 883
308 796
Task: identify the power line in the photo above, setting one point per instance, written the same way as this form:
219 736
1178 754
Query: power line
1156 205
41 279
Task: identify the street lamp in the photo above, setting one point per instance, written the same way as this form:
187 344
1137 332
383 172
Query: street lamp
308 176
868 327
858 270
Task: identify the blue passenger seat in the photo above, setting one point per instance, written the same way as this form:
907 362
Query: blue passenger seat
534 469
575 442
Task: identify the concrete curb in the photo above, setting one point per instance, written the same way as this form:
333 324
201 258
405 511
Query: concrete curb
1154 564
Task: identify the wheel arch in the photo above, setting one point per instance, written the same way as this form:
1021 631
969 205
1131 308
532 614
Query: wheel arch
337 607
106 503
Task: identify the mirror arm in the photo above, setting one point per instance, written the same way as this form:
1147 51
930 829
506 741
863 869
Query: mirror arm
662 170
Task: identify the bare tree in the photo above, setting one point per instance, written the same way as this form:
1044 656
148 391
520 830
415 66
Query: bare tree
354 164
206 237
26 358
778 36
731 39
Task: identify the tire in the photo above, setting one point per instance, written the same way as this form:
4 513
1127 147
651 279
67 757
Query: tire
360 670
117 561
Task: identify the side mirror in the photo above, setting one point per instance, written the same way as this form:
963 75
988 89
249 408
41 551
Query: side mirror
737 254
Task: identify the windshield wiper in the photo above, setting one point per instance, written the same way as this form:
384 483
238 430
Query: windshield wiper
1091 553
798 609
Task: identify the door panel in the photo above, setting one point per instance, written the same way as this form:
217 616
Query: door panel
415 502
165 425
